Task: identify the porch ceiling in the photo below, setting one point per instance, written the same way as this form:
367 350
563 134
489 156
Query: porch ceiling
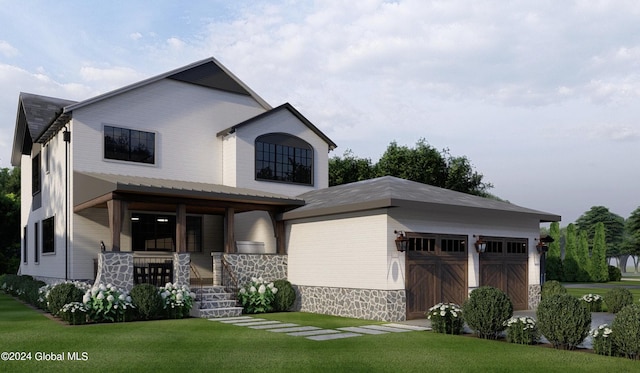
142 193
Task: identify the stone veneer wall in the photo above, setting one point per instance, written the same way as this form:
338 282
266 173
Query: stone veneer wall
270 267
534 296
181 269
115 268
370 304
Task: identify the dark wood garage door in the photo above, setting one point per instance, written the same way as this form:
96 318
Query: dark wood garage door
504 266
436 271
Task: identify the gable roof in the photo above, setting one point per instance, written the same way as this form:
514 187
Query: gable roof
389 191
45 116
286 106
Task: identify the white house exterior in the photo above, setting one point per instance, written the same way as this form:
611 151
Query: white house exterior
192 164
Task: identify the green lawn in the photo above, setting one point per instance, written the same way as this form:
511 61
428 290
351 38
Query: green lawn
202 345
579 292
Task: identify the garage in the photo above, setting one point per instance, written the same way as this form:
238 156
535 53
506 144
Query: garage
436 271
504 265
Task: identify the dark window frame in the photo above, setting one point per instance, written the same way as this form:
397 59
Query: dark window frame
437 244
25 249
157 232
49 236
36 243
282 157
36 175
129 145
506 245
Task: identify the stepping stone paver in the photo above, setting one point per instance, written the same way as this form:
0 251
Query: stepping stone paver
386 328
313 332
256 323
273 326
405 326
357 329
239 322
294 329
236 318
326 337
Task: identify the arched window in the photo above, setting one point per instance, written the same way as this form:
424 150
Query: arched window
285 158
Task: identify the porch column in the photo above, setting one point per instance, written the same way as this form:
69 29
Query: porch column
181 228
116 209
229 227
278 232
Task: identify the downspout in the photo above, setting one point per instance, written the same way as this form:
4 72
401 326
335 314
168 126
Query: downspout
66 136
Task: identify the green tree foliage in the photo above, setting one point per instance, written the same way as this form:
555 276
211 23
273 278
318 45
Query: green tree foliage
422 163
599 270
613 225
9 220
570 266
631 245
349 169
553 260
583 257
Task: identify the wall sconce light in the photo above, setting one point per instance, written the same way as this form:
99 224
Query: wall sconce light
402 242
541 246
480 245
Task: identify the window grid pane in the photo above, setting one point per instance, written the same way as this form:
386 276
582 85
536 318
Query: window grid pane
129 145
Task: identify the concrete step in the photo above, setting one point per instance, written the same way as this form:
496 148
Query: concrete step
216 312
218 303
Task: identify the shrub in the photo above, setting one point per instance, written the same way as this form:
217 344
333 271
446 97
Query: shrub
602 340
617 298
486 311
178 300
257 296
563 320
61 294
614 273
446 318
522 330
626 331
147 301
550 288
75 313
107 303
593 302
285 296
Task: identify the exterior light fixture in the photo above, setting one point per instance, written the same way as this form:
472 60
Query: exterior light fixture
480 245
402 242
541 246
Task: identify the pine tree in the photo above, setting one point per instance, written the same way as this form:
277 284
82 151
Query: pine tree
570 267
554 261
599 268
584 260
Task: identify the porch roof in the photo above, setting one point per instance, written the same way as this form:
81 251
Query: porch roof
95 189
388 192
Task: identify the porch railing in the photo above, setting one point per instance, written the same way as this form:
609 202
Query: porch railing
229 280
152 270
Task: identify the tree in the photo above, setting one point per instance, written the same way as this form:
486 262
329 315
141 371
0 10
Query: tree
9 220
423 164
584 260
554 261
570 267
599 267
613 225
631 244
349 169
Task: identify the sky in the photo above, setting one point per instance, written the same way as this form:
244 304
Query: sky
543 97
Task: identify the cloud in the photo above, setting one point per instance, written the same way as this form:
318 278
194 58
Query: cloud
615 132
8 50
110 77
135 36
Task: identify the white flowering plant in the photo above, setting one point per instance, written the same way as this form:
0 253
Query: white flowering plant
75 313
522 330
107 303
593 302
178 300
601 340
257 296
446 318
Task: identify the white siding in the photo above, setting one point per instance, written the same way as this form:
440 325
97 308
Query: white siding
185 118
90 227
347 251
285 122
255 226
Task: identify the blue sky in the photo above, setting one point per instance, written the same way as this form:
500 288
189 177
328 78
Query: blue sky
542 96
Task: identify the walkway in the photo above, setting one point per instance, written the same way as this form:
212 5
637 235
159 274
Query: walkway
315 333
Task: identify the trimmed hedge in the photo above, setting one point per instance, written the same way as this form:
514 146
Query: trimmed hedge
486 311
617 298
626 331
614 273
284 297
147 300
552 287
62 294
563 320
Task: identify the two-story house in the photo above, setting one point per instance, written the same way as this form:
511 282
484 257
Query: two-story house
191 175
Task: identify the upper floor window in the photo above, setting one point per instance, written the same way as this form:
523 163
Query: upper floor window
48 235
129 145
283 157
35 175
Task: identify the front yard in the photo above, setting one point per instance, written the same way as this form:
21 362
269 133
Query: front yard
202 345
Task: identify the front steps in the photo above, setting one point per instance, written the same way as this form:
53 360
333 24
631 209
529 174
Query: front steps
213 302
